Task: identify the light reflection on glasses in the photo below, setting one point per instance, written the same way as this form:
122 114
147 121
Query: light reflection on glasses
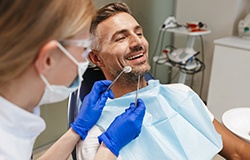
84 43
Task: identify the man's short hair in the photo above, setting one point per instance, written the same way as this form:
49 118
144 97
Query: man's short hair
104 13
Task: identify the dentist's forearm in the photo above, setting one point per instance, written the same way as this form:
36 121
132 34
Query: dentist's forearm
63 147
104 153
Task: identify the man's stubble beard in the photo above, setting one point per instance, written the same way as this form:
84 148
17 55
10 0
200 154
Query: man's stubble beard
130 79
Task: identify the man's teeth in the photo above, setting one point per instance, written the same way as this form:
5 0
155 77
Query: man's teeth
135 56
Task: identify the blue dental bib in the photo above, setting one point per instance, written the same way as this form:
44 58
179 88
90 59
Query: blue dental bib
176 125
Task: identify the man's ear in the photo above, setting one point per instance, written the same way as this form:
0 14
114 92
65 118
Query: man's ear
44 59
95 58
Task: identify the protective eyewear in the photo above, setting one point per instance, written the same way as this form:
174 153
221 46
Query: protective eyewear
84 43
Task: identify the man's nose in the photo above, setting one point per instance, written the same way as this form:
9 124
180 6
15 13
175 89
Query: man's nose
135 40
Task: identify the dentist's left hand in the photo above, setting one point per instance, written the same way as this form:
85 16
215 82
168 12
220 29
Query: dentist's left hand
92 107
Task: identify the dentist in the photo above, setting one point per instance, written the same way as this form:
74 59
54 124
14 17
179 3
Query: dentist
43 50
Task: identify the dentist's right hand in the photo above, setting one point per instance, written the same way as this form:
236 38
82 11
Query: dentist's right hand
92 107
124 128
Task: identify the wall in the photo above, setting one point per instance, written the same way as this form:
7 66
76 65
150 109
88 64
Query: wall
220 16
55 116
100 3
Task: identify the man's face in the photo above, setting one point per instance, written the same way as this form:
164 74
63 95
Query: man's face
122 44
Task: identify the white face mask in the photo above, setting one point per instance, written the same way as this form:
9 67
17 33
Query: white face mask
57 93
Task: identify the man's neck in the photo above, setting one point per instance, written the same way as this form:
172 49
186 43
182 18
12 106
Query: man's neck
119 89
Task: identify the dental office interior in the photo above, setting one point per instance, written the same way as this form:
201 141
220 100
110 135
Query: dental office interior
204 44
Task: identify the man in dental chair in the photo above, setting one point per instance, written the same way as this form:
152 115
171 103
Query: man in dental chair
177 124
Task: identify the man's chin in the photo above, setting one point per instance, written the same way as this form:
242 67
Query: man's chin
144 69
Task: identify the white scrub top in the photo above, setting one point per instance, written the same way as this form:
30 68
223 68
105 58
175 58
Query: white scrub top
18 131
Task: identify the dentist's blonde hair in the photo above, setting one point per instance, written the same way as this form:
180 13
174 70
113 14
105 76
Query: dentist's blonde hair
26 25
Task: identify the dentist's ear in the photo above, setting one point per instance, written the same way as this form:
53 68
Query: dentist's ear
45 61
94 57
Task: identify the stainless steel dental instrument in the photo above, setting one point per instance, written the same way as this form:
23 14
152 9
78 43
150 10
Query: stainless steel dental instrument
138 87
126 69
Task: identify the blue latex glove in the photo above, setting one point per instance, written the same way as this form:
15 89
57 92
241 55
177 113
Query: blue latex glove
92 107
124 128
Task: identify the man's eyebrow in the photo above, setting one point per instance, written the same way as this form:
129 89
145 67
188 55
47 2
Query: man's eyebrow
125 30
119 32
138 27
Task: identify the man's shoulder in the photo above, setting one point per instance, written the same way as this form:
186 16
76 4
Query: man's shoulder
177 87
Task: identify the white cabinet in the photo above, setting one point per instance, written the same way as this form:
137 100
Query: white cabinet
230 76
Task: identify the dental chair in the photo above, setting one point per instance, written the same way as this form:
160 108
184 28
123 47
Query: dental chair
90 76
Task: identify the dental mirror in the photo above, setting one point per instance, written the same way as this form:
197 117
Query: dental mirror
126 69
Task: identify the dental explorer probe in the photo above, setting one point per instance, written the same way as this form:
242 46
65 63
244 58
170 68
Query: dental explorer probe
138 87
126 69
